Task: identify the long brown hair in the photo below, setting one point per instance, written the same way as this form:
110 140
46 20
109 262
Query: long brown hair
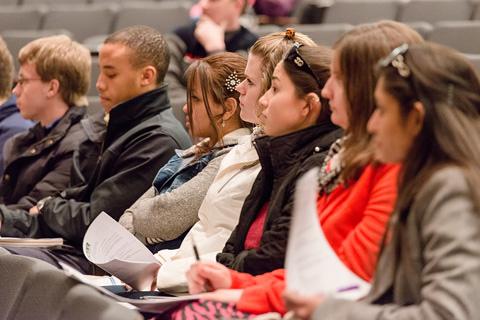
358 52
212 73
449 89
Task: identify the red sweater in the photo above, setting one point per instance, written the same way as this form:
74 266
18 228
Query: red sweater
353 219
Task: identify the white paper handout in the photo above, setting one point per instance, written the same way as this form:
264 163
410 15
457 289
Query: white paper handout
312 266
155 304
111 247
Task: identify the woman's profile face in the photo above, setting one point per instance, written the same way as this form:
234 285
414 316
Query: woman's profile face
392 133
250 90
283 111
199 125
334 91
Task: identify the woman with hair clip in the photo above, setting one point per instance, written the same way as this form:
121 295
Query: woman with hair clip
296 121
220 210
298 132
169 208
427 119
356 196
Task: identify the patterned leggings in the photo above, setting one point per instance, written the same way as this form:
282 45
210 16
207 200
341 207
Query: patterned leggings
207 310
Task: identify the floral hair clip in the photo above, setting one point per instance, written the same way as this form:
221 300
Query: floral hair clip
232 81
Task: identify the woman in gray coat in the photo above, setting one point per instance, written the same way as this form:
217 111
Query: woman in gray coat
428 118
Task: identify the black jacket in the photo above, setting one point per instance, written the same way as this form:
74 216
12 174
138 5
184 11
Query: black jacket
284 159
141 136
38 162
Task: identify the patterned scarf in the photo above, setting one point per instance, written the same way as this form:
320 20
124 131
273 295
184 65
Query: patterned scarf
329 175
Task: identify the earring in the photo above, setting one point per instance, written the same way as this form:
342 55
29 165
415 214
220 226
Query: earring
223 123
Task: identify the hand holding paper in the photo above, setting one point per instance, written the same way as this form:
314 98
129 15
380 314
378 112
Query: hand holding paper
114 249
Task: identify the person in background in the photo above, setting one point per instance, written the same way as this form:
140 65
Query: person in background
427 119
142 135
11 122
357 195
275 11
51 86
218 29
170 207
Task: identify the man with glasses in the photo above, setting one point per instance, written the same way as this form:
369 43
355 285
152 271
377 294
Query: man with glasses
52 82
142 135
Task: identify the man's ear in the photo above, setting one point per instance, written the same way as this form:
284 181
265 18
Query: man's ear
416 118
53 88
231 107
149 76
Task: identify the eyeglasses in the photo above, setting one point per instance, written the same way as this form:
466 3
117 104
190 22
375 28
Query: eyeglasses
397 60
22 81
294 57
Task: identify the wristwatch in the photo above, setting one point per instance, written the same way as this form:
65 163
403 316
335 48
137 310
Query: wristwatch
41 203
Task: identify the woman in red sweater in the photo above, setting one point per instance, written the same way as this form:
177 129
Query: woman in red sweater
356 194
428 119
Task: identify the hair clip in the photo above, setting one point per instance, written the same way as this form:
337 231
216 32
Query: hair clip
290 33
293 56
232 81
397 60
399 63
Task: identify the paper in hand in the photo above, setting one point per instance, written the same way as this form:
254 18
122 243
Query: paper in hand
111 247
312 266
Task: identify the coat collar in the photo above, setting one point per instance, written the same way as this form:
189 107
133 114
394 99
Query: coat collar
278 154
130 113
37 139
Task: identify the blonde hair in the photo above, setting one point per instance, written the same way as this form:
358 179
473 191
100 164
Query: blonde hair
61 58
6 74
271 49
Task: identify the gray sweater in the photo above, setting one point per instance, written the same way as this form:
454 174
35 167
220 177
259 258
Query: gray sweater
166 216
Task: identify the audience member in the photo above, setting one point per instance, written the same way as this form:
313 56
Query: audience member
218 29
356 196
53 79
220 210
141 137
275 11
170 207
11 122
427 119
299 132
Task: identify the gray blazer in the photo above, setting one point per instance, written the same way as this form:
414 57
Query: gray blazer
437 274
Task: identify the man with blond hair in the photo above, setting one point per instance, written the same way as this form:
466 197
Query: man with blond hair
52 82
142 135
11 122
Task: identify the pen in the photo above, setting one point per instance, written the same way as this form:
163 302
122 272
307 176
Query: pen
208 285
195 251
154 297
348 288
